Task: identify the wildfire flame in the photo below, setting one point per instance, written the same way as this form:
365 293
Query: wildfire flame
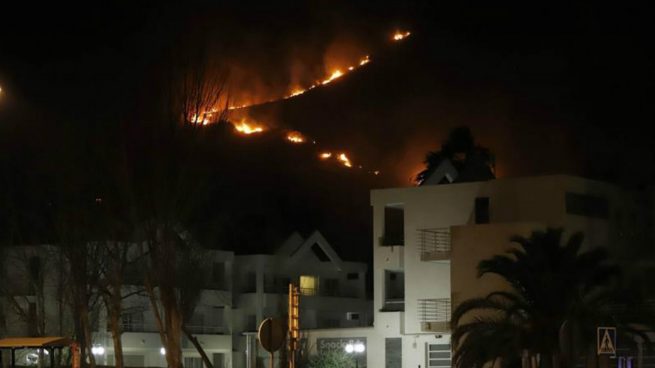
399 35
344 160
295 137
335 74
365 60
248 128
325 155
203 120
296 92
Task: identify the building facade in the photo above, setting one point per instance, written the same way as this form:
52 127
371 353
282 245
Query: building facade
239 292
428 240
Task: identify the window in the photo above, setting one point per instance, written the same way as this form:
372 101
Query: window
35 268
132 322
482 210
352 316
308 285
587 205
251 323
352 276
250 283
218 274
394 291
320 253
394 226
330 287
193 362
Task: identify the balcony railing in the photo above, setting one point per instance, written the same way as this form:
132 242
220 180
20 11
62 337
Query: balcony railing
434 314
434 244
194 329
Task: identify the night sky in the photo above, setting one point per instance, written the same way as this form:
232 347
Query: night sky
548 89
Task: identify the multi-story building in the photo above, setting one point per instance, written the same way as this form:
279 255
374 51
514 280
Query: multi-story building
428 240
238 293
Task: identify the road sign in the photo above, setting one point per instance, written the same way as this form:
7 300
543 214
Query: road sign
272 333
606 340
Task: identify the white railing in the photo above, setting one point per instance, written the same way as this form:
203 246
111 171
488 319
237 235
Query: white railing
434 243
434 310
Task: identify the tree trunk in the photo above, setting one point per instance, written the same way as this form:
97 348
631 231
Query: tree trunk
116 332
174 338
198 347
86 334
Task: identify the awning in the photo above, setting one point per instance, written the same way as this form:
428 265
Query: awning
34 342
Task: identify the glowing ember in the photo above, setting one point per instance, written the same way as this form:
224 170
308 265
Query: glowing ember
365 60
344 160
401 35
336 74
295 137
248 128
376 172
325 155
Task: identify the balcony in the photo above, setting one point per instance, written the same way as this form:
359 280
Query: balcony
434 244
152 328
434 314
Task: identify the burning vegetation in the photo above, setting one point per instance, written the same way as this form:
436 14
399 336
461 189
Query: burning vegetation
247 127
400 35
295 137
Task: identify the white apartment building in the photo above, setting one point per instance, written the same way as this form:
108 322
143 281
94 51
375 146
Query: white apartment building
428 240
240 291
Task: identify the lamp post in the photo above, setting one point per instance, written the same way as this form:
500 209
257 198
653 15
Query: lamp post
355 348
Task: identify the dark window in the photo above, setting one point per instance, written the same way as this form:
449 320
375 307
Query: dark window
320 253
352 316
394 226
352 276
330 287
587 205
35 268
482 210
218 271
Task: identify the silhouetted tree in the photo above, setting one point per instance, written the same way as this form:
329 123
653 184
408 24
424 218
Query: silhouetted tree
558 297
461 150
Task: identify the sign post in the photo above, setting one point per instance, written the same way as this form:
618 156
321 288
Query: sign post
272 335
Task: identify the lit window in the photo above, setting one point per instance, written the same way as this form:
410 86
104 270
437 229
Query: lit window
308 285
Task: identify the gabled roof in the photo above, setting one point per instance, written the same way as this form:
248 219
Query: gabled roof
34 342
296 248
293 242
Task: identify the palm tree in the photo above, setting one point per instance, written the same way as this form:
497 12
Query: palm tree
461 150
557 298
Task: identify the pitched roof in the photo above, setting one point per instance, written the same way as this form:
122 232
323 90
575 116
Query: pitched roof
318 239
34 342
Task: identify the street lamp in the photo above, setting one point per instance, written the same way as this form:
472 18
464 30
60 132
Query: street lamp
356 348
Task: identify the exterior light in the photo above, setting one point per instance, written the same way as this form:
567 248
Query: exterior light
98 350
162 351
350 348
359 347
